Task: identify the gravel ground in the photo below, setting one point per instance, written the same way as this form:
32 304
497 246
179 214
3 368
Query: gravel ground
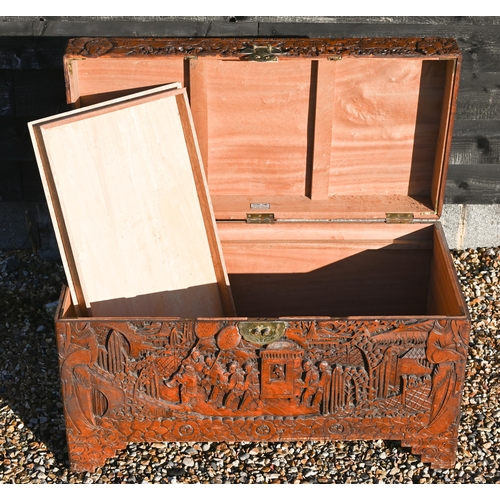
32 433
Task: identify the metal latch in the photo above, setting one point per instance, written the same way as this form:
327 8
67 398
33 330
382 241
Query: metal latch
399 218
262 333
261 53
260 218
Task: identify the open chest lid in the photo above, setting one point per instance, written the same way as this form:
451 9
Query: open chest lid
327 129
130 207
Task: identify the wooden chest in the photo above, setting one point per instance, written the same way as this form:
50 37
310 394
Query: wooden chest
326 163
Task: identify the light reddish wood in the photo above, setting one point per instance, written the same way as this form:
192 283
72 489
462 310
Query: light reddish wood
444 133
445 296
335 207
322 150
339 269
124 181
257 116
96 80
376 107
199 106
310 129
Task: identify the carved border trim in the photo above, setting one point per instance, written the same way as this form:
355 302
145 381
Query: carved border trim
289 47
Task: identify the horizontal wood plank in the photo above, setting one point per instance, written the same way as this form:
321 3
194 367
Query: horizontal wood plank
38 92
30 52
32 189
15 144
479 96
6 93
476 142
11 187
473 184
126 26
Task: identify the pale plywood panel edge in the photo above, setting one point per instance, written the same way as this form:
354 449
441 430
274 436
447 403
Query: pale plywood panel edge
76 287
54 202
206 205
57 219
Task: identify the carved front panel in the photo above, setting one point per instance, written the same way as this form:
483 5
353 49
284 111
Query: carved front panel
174 380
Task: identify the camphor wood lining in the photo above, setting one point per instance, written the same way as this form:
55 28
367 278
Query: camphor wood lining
340 269
125 183
306 136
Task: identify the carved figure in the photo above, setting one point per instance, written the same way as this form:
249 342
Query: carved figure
443 346
251 387
235 386
218 379
311 383
278 372
188 381
322 396
205 383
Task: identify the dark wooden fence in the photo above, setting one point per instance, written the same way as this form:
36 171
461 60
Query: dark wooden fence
32 86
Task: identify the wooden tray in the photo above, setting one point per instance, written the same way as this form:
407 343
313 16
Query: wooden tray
122 179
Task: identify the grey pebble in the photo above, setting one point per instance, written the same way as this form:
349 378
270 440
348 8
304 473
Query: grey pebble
32 431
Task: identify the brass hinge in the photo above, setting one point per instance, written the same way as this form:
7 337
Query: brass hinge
260 218
261 53
398 218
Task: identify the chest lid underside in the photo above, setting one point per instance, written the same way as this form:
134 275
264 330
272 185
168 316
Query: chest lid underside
299 128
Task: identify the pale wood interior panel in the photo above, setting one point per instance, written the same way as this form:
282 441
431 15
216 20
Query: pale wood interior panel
386 120
328 270
129 202
257 115
99 79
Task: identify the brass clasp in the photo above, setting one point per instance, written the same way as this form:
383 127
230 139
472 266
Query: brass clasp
261 53
262 333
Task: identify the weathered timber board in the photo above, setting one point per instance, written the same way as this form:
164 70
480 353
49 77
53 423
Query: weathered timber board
6 93
14 139
11 183
473 184
476 142
38 92
111 26
34 52
479 96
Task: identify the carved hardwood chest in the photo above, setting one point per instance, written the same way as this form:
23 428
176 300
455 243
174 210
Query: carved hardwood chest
326 163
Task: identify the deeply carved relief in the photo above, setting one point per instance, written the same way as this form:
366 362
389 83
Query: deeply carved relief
127 381
235 47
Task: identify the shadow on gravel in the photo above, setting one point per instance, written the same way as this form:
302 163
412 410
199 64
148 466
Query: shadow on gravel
29 376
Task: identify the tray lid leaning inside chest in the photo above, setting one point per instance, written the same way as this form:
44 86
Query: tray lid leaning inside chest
314 129
130 208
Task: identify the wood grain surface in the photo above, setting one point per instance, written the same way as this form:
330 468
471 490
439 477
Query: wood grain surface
121 181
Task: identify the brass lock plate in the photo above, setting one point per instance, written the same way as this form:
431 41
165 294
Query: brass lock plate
262 53
262 333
